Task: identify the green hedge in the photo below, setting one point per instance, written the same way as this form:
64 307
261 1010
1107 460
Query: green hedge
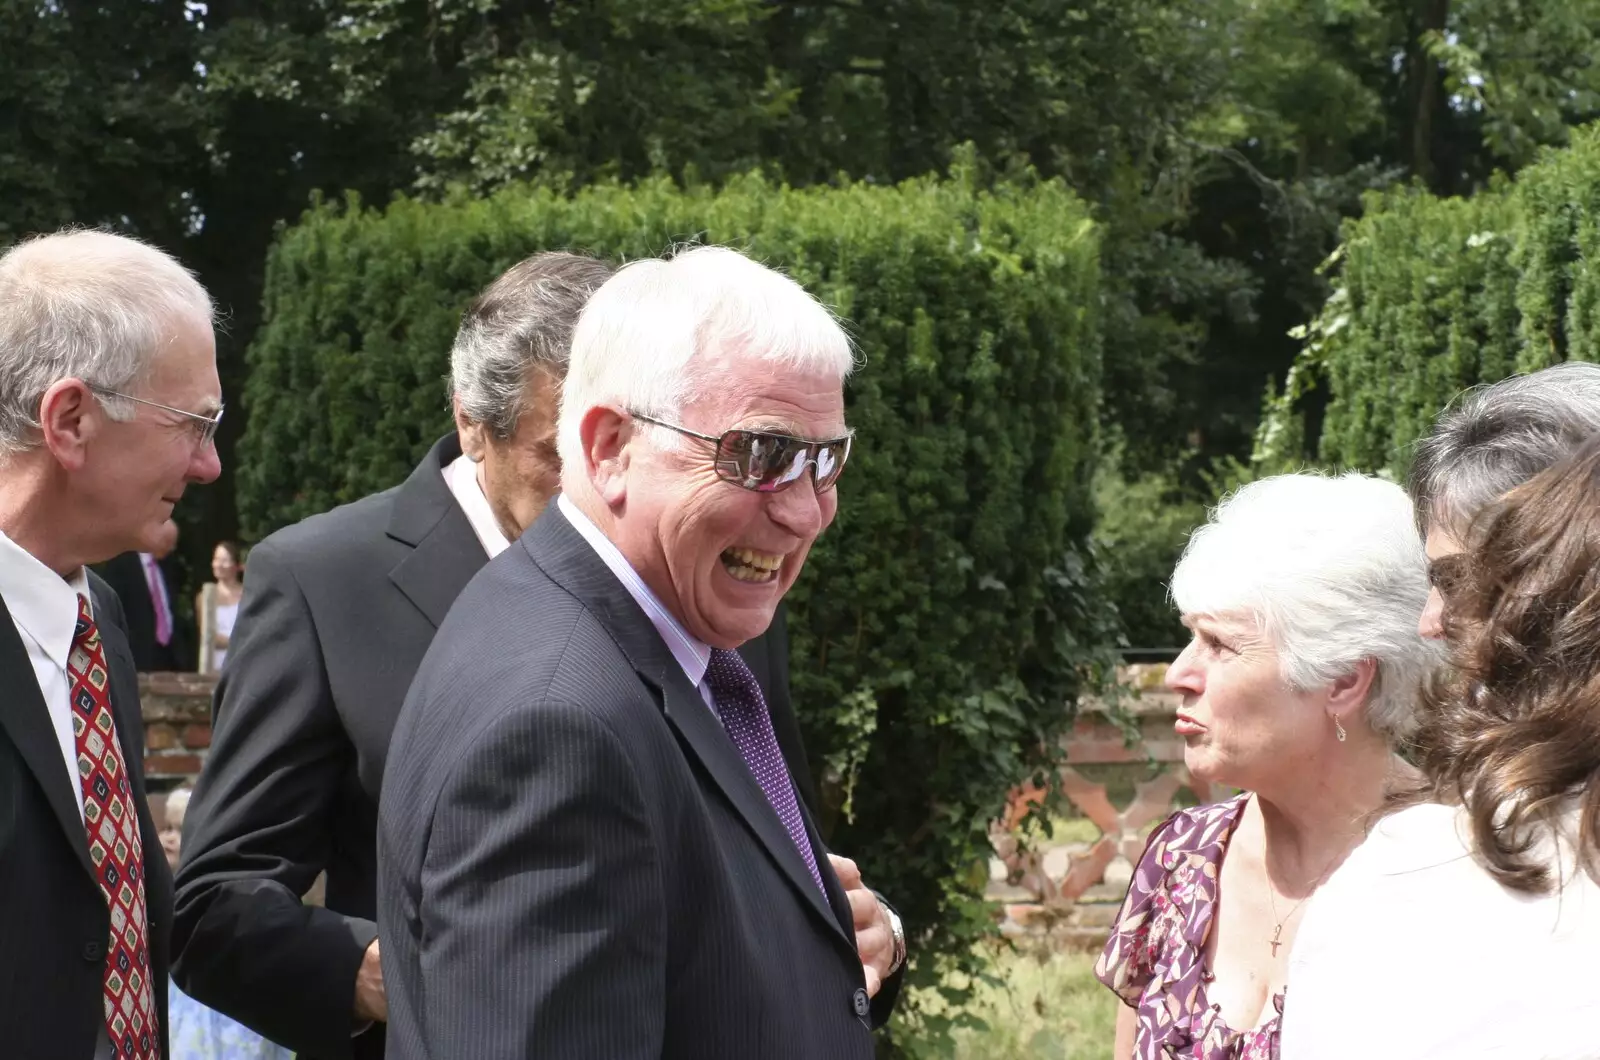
944 620
1436 295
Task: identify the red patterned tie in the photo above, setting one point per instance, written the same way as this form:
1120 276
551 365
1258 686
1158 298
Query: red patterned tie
114 846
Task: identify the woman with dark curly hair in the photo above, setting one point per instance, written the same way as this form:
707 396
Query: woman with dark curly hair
1467 925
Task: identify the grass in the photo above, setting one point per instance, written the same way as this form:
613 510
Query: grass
1049 1007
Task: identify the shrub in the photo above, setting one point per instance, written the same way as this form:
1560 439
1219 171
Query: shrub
1436 295
945 620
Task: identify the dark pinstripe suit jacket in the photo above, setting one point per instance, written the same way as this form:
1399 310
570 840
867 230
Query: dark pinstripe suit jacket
574 860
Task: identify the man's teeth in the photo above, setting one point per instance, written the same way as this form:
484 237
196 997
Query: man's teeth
748 565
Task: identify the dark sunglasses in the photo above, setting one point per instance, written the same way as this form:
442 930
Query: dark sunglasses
766 461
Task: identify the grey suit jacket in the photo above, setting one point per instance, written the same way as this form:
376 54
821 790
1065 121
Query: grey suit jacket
54 922
337 613
574 859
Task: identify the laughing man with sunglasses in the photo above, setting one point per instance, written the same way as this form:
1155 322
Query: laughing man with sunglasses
589 844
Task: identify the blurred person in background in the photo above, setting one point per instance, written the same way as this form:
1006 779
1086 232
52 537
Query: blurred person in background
197 1032
147 586
217 604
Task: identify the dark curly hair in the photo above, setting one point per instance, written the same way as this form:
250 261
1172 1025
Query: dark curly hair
1513 734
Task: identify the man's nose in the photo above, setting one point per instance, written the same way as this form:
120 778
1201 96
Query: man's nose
206 465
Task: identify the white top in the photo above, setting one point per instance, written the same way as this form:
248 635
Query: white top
225 616
1412 951
461 475
44 607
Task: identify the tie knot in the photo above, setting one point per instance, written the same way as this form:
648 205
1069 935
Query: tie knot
85 627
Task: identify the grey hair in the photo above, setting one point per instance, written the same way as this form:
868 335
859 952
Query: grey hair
85 305
1332 572
1497 437
521 321
643 339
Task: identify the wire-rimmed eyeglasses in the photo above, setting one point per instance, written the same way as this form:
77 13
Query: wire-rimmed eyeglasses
204 427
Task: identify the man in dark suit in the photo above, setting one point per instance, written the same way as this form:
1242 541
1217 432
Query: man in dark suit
589 843
157 632
109 402
337 613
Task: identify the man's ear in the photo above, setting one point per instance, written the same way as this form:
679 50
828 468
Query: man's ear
605 434
474 436
69 419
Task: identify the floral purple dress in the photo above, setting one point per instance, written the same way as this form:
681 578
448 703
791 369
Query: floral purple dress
1155 959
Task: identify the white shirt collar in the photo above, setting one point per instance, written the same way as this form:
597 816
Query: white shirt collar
42 603
692 654
461 476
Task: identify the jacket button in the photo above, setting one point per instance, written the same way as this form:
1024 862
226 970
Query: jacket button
94 952
861 1002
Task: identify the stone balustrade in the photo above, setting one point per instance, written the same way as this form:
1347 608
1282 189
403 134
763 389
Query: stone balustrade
1065 891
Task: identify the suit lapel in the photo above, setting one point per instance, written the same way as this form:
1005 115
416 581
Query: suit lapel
446 553
703 736
25 718
562 553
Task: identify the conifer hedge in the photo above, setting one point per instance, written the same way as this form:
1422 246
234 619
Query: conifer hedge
944 620
1436 295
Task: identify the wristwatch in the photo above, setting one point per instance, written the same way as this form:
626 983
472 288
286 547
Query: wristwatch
896 930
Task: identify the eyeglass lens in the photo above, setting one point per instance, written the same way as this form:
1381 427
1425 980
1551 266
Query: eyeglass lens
764 461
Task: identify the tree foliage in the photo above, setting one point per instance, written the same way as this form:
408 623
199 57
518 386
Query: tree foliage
1434 295
1218 143
947 618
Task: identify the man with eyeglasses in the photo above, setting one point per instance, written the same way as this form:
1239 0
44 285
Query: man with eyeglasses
108 401
337 614
589 843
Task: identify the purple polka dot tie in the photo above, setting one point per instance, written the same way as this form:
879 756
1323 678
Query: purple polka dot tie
743 710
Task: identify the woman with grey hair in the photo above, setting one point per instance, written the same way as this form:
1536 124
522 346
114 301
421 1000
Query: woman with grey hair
1302 593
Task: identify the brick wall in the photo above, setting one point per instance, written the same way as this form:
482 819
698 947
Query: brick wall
177 726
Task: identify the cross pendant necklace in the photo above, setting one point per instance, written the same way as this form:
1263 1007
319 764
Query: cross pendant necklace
1277 929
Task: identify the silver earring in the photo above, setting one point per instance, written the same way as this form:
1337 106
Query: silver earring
1338 729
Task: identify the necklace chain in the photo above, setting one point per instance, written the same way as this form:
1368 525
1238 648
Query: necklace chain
1277 928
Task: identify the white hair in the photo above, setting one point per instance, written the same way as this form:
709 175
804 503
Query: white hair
640 338
1332 571
86 305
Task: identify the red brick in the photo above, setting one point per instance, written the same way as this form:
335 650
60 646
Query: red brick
160 737
171 765
197 736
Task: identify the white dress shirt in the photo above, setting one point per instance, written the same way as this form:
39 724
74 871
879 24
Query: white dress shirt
44 607
461 476
1411 951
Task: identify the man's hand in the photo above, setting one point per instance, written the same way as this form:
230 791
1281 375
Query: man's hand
874 937
372 1006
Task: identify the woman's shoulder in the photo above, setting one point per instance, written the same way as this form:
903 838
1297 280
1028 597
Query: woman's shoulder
1197 829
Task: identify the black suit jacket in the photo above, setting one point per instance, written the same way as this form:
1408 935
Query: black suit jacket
125 575
575 860
54 923
337 613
